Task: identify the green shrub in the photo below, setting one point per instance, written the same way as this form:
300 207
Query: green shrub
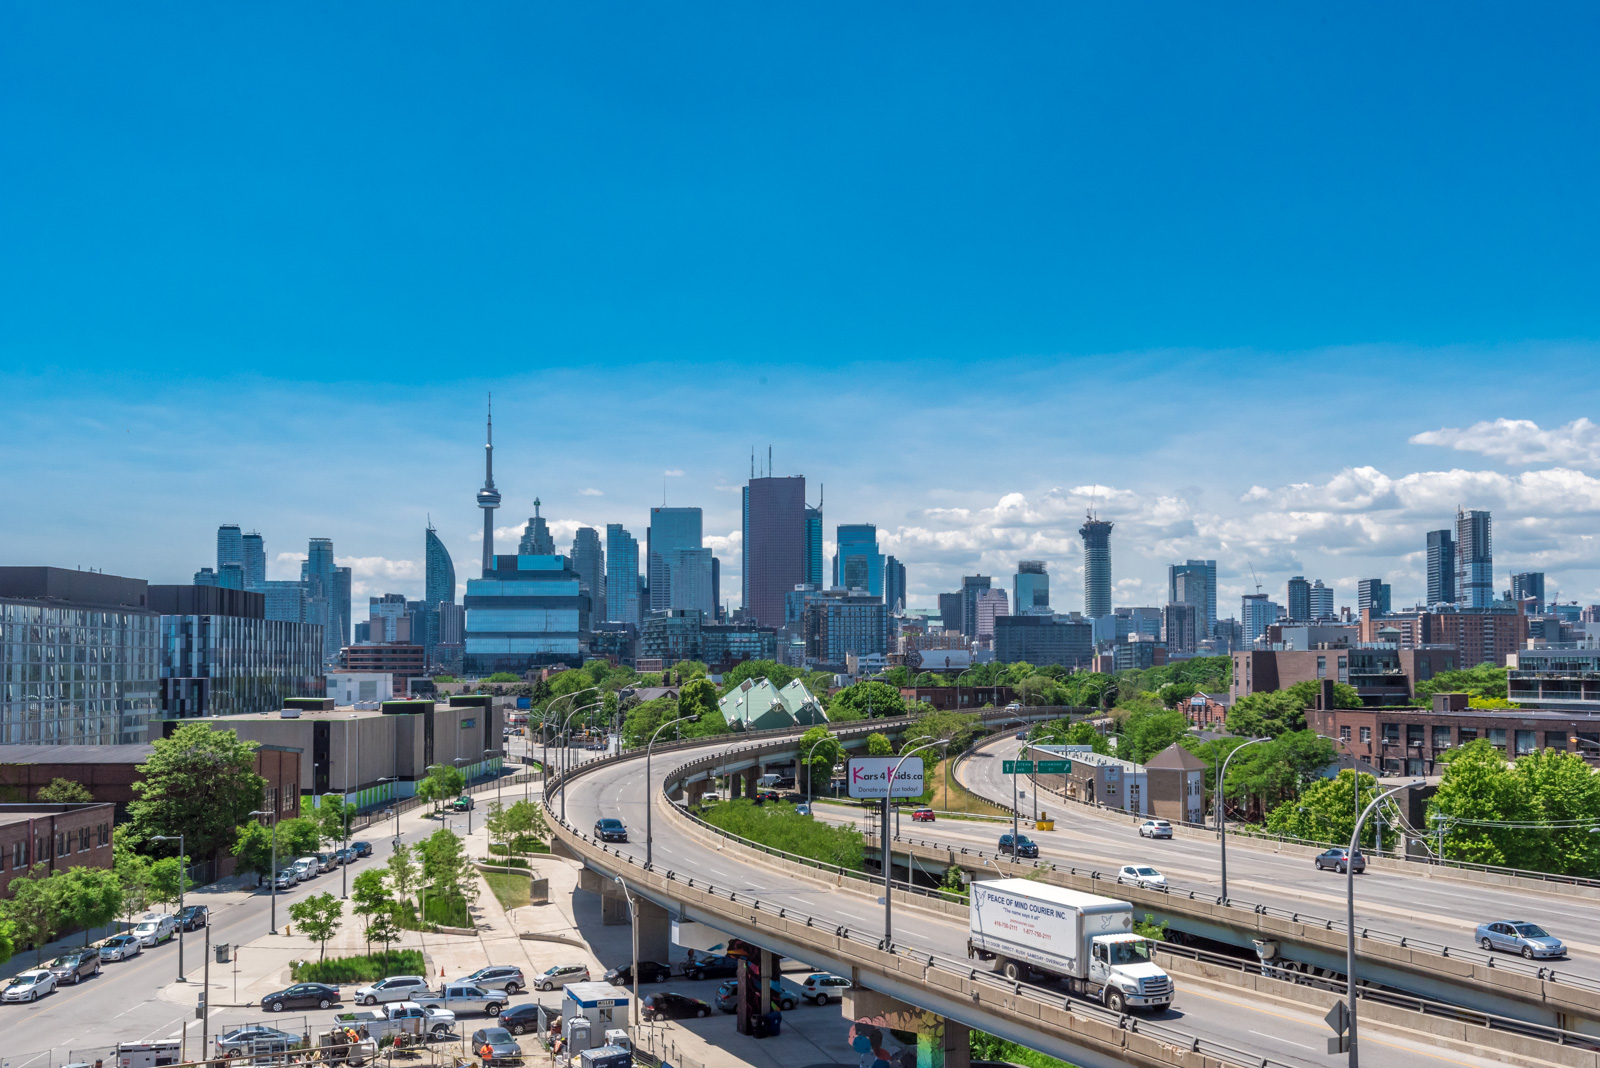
778 826
506 862
359 969
448 911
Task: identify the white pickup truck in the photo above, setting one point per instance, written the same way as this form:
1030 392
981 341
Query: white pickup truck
463 998
400 1017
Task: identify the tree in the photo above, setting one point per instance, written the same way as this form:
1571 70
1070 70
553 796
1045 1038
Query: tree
879 745
34 909
497 821
526 819
1266 715
819 752
1568 795
444 781
1478 791
252 850
897 676
959 728
89 898
1483 681
866 700
318 916
8 941
1344 695
780 675
133 875
403 873
446 868
332 817
297 837
65 792
166 877
200 783
369 898
1325 811
641 721
1174 692
384 928
1149 730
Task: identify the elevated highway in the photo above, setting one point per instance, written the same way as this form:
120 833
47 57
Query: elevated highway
820 919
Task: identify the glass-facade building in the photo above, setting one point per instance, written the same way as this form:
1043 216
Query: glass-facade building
672 530
527 612
1195 582
78 658
217 665
622 575
1030 586
857 563
814 545
1474 559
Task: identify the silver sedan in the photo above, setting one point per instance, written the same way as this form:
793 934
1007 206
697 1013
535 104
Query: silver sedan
1520 936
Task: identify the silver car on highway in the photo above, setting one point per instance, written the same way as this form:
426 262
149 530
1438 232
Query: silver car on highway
1520 936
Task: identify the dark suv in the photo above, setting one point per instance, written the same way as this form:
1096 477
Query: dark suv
194 917
711 968
1021 845
76 966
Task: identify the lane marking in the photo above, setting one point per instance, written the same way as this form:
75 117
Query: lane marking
1279 1038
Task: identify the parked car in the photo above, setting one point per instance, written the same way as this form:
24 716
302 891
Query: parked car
1155 829
711 968
1021 845
344 856
301 996
561 975
30 985
610 830
194 917
394 988
462 803
784 996
673 1007
520 1019
361 849
503 1049
287 879
1520 936
507 977
1141 875
255 1040
922 814
76 966
823 987
120 947
1339 859
306 868
770 795
326 862
649 972
154 930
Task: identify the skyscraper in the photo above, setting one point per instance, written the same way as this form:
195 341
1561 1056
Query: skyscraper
950 612
341 605
439 580
255 560
488 496
1298 598
1180 625
230 546
536 539
1195 582
622 575
1320 598
1256 613
589 561
814 544
1373 594
774 545
1441 567
1474 560
1529 584
970 587
894 585
1096 535
1030 587
316 573
987 606
857 563
672 530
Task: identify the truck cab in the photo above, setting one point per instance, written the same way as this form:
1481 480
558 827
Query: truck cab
1122 967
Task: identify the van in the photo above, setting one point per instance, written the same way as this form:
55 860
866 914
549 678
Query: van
769 781
306 868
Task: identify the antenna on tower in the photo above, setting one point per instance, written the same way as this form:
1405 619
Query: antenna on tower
752 461
769 461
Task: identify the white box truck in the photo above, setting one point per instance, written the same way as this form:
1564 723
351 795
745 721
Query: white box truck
1084 939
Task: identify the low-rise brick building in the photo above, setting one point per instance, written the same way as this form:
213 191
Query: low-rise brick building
1381 672
58 836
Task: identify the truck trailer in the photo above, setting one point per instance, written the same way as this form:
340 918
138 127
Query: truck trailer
1084 940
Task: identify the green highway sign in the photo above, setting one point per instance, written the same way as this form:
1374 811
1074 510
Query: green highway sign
1044 767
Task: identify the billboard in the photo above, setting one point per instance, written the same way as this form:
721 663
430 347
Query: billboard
869 776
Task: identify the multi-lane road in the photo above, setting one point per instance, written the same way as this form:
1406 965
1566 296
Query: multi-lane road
1212 1013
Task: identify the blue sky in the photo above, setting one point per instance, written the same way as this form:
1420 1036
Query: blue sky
261 265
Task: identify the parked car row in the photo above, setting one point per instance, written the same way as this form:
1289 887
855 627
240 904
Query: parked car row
76 965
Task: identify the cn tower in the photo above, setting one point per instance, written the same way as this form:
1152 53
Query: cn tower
488 497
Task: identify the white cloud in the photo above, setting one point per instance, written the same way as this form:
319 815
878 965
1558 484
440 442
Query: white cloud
1522 441
591 492
673 472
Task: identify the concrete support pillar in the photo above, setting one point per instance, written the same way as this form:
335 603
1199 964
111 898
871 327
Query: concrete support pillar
697 790
879 1021
769 965
614 910
654 930
750 775
735 784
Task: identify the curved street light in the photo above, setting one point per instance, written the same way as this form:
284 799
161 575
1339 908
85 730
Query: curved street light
1222 808
888 853
825 738
1350 919
566 751
649 806
183 864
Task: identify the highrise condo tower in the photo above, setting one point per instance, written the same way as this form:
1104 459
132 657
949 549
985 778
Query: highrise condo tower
439 580
1474 560
1441 567
1096 567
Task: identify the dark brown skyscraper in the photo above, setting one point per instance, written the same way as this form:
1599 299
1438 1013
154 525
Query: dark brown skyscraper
774 545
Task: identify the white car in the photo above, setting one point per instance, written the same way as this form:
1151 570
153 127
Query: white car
1141 875
561 975
154 930
306 868
394 988
823 987
29 985
1155 829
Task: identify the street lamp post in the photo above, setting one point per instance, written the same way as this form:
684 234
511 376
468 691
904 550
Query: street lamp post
1222 809
544 722
468 792
888 854
566 751
633 921
183 858
344 810
649 807
1350 921
272 880
809 755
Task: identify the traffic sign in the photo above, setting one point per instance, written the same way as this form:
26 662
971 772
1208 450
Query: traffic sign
1053 767
1044 767
1013 767
1338 1018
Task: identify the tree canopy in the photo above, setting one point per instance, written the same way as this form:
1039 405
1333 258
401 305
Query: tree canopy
1483 681
1549 798
866 700
200 783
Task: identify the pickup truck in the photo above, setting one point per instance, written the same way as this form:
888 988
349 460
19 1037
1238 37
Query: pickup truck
400 1017
464 998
